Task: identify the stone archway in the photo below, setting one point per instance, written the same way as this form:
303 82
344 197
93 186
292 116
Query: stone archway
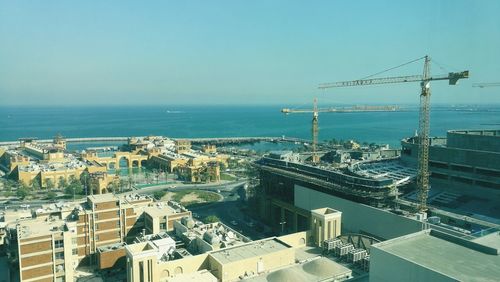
178 270
112 165
135 163
165 274
123 162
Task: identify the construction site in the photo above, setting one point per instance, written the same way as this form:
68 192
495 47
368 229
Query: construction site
396 182
342 212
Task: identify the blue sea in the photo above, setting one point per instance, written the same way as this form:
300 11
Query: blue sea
227 121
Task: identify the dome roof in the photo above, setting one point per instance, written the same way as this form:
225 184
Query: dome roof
287 274
320 267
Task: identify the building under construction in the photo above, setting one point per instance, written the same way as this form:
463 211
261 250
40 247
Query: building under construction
374 183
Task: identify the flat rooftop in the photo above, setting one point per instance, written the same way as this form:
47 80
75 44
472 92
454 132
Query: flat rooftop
393 169
35 228
318 269
245 251
458 258
102 198
159 210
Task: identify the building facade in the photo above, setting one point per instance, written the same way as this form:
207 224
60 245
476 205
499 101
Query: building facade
86 233
466 161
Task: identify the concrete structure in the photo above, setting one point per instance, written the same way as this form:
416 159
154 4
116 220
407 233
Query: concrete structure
182 146
230 257
190 166
287 156
93 232
325 224
228 264
430 255
467 161
46 250
356 217
44 165
200 238
131 159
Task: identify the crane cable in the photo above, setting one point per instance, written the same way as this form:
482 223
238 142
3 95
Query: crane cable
389 69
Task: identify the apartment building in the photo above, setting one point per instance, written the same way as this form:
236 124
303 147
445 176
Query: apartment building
60 237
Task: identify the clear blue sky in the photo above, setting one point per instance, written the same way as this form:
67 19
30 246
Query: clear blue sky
240 52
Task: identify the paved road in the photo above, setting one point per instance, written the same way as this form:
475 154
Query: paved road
223 186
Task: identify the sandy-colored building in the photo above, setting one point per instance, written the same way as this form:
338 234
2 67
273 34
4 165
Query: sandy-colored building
46 250
90 232
44 163
270 259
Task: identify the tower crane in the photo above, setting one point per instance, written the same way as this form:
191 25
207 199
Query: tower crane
315 158
315 129
315 111
423 123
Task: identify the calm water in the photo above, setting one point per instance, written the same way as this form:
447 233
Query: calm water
224 121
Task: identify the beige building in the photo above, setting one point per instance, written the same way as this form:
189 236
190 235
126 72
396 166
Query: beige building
182 146
225 264
132 159
46 250
286 258
191 166
84 233
325 224
43 163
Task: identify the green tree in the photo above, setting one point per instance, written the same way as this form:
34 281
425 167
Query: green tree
7 185
130 182
51 195
122 183
85 179
159 194
35 184
93 186
114 186
205 176
22 192
75 187
211 219
63 183
49 184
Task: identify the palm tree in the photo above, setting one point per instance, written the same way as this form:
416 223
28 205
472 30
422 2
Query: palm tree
84 178
49 184
130 182
62 182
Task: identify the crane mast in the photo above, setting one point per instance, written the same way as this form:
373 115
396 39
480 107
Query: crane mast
315 158
424 119
423 138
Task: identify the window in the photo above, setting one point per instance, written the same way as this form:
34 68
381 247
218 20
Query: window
60 255
74 241
96 216
97 226
97 237
58 243
163 226
118 212
74 252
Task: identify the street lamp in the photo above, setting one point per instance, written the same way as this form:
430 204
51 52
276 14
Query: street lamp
282 223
